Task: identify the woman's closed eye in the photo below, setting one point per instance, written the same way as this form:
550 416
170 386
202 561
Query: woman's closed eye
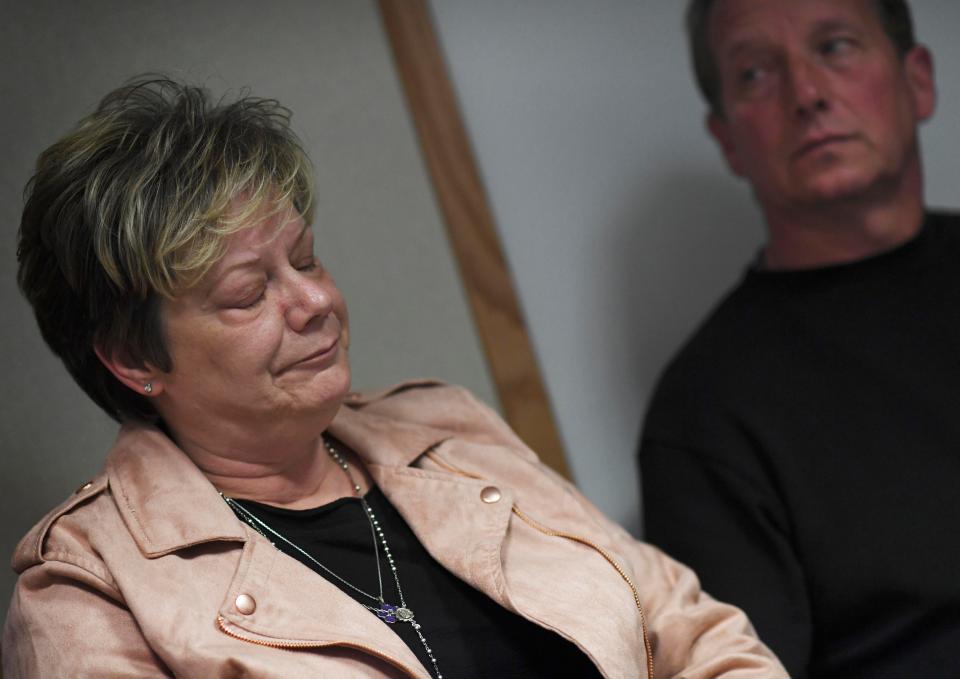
252 301
309 264
247 299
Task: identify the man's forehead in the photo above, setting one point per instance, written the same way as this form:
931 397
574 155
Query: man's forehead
734 23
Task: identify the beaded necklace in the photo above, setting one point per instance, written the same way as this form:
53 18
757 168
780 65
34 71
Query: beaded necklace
389 613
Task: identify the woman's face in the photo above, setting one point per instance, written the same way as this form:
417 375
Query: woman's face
261 340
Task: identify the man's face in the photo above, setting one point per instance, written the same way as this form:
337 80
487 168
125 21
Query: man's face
818 105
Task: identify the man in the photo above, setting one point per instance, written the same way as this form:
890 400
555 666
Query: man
802 452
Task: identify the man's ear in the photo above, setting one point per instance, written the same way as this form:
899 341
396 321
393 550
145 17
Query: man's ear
918 66
719 129
144 379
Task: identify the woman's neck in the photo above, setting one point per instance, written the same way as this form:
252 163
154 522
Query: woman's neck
293 475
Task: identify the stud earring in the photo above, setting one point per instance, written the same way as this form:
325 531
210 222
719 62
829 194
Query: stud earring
148 387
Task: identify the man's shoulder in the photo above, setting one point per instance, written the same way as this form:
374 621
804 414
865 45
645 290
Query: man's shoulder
723 372
718 343
945 215
946 222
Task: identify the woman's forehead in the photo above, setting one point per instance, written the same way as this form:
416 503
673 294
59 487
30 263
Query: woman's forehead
269 223
267 234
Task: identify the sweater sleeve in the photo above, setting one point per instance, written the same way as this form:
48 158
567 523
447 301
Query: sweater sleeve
727 525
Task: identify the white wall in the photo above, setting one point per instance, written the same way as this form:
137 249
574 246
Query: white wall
617 215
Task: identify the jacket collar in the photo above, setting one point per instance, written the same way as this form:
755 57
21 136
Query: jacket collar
167 503
383 439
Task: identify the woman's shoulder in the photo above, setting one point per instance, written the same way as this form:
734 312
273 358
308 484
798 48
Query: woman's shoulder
63 535
366 397
441 406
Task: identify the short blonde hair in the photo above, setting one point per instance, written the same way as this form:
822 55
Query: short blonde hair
134 205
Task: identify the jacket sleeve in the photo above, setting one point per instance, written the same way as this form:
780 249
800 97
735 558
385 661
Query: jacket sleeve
693 636
65 621
725 522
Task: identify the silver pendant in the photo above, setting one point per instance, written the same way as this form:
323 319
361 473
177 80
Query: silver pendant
404 614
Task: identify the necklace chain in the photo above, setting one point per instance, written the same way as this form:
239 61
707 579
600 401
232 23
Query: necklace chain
386 612
258 525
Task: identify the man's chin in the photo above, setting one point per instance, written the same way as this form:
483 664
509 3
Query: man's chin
837 186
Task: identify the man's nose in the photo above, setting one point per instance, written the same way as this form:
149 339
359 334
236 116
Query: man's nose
808 88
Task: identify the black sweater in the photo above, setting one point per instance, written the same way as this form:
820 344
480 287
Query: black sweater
802 454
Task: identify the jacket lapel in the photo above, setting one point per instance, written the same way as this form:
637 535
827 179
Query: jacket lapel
295 608
444 510
456 527
165 501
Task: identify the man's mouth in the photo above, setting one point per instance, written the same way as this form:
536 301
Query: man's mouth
820 141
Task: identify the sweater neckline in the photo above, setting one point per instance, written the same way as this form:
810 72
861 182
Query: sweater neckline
913 250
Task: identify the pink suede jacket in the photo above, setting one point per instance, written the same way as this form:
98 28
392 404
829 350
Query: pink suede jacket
139 573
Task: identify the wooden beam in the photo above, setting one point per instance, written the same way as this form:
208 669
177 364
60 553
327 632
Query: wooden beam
466 213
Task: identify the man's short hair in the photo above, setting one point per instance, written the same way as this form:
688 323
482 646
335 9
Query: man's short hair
894 15
133 206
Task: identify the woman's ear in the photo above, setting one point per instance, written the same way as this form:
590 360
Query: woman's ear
144 379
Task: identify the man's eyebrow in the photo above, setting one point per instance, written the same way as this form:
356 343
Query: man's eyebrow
750 43
746 44
828 26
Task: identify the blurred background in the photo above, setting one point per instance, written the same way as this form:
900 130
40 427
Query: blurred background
618 220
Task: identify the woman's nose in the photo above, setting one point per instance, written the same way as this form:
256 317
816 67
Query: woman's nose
307 298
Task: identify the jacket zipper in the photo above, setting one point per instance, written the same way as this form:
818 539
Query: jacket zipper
576 538
221 623
606 555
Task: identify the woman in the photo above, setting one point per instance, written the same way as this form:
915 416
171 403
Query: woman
254 518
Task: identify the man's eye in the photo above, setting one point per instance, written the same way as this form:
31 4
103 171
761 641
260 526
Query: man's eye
308 265
836 46
751 75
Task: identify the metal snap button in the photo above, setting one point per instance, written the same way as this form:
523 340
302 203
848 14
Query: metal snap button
245 604
490 494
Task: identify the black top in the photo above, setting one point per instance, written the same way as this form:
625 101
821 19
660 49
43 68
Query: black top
802 454
470 634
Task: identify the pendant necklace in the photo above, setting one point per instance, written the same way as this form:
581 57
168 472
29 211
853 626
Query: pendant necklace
389 613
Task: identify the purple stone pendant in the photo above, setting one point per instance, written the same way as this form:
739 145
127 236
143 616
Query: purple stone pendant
387 613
